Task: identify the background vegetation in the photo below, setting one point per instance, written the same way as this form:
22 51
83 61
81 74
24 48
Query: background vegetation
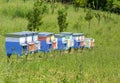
106 5
99 65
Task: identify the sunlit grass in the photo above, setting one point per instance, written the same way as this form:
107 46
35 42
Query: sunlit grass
99 65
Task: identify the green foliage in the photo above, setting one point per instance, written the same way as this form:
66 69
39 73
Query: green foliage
89 16
80 3
35 17
24 1
109 4
52 5
97 4
98 16
7 0
13 10
98 65
107 17
62 17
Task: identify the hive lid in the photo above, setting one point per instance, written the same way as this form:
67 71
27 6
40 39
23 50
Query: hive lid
45 33
76 34
30 33
81 34
16 34
20 34
59 35
66 33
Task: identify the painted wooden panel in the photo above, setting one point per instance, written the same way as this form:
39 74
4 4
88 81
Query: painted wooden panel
72 43
48 40
52 38
22 40
71 37
77 38
82 43
56 41
68 43
82 38
35 38
9 39
63 40
42 38
29 39
92 42
31 47
87 43
37 46
54 45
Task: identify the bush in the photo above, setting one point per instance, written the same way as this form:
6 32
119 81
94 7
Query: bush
62 14
116 10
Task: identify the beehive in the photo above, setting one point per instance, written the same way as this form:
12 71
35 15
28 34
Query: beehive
16 43
61 42
68 39
76 40
89 42
32 40
45 41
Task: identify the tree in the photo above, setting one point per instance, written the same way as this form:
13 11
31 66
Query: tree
80 3
76 5
35 16
97 4
85 4
52 5
89 17
109 5
62 14
24 1
7 0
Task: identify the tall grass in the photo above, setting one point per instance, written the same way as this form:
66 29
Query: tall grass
99 65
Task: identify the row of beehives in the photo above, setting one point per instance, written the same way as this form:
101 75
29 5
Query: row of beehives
22 43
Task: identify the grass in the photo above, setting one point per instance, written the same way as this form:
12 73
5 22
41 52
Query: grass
100 65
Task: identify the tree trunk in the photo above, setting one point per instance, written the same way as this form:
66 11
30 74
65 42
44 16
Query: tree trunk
85 6
52 5
89 24
62 1
99 21
97 3
89 28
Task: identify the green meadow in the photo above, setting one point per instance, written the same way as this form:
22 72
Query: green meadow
98 65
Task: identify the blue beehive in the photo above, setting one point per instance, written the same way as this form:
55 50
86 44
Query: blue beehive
32 40
76 40
16 43
68 39
61 43
52 39
45 41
